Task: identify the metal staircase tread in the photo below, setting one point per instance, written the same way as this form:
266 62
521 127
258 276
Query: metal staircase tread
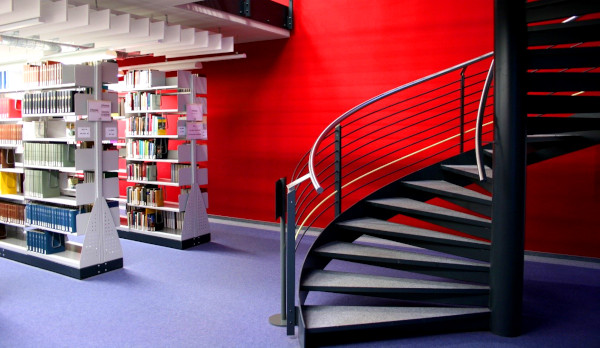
348 317
469 171
447 188
537 138
320 280
407 205
382 227
350 252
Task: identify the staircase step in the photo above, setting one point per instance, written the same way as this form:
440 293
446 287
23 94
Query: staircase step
469 171
555 9
420 237
544 138
445 188
445 267
338 318
413 207
555 104
559 82
562 58
399 288
564 33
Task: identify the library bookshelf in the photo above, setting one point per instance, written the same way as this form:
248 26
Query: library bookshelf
50 217
165 201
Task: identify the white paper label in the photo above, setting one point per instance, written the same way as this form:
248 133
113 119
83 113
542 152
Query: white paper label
98 110
84 133
181 131
194 112
110 133
194 130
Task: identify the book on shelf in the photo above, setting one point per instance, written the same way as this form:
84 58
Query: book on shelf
141 171
7 158
43 74
10 108
49 154
45 242
145 195
49 102
56 218
142 101
145 219
12 213
41 183
9 183
11 134
147 148
147 125
144 78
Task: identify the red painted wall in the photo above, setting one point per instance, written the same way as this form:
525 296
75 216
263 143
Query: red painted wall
265 111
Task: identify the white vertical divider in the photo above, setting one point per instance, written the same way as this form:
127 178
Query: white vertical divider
195 222
101 243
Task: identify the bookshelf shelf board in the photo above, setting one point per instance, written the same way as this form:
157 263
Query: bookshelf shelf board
42 88
10 120
154 136
163 111
121 199
64 114
168 206
60 169
70 140
12 224
12 146
14 197
68 258
12 170
163 182
54 230
148 88
64 200
164 233
165 160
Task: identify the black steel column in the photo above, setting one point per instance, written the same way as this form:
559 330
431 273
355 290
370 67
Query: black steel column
338 170
508 211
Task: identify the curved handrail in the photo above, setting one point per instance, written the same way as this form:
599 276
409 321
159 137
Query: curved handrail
479 122
311 168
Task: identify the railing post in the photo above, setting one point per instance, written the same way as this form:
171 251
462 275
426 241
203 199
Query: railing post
290 244
338 170
280 319
508 210
462 109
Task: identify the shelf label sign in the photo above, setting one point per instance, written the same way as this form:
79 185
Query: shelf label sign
84 133
196 130
194 112
110 133
99 110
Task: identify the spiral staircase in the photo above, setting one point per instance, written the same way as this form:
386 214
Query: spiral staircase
414 256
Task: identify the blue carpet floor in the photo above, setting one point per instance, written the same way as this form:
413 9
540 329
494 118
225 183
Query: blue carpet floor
221 294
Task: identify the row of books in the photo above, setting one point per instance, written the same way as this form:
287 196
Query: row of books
175 170
89 177
12 213
45 242
142 101
49 154
11 79
11 134
49 102
56 218
147 148
10 108
41 183
144 78
141 171
145 219
174 220
147 125
44 74
141 195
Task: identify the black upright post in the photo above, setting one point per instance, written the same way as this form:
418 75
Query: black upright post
508 211
338 170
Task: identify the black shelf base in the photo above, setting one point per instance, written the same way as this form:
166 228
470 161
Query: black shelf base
77 273
175 244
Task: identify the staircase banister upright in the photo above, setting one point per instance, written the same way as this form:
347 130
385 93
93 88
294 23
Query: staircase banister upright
311 168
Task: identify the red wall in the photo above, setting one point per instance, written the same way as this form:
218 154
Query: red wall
265 111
